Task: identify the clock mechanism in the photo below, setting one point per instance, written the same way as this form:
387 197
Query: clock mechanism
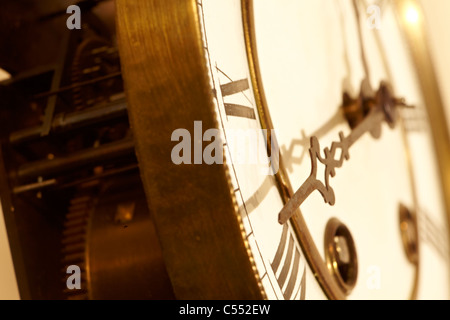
71 191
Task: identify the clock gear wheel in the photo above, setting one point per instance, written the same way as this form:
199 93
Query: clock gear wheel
109 234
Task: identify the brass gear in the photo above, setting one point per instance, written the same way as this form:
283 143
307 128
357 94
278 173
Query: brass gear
74 241
109 233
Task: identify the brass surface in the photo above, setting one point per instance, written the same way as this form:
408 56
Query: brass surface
195 212
123 255
410 234
340 254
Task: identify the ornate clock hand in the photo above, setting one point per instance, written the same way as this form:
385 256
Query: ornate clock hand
375 110
361 43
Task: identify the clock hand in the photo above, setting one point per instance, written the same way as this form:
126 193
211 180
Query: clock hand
361 42
303 141
376 109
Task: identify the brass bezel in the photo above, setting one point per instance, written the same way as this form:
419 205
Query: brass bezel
194 207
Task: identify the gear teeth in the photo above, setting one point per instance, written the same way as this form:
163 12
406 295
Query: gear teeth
64 269
74 248
91 59
76 222
74 244
76 214
75 231
74 239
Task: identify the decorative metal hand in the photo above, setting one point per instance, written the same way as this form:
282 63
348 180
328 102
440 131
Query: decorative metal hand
372 111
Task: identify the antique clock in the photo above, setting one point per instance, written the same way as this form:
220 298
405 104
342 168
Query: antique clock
348 197
222 149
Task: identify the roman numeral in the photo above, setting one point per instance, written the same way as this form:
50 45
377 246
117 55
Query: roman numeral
288 271
236 110
232 88
232 109
415 119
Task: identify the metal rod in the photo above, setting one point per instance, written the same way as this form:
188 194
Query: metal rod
77 85
91 156
105 174
56 83
54 182
73 120
34 186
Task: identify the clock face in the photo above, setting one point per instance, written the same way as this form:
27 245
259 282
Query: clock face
286 147
385 236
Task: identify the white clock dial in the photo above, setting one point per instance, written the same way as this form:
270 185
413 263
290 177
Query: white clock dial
309 56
